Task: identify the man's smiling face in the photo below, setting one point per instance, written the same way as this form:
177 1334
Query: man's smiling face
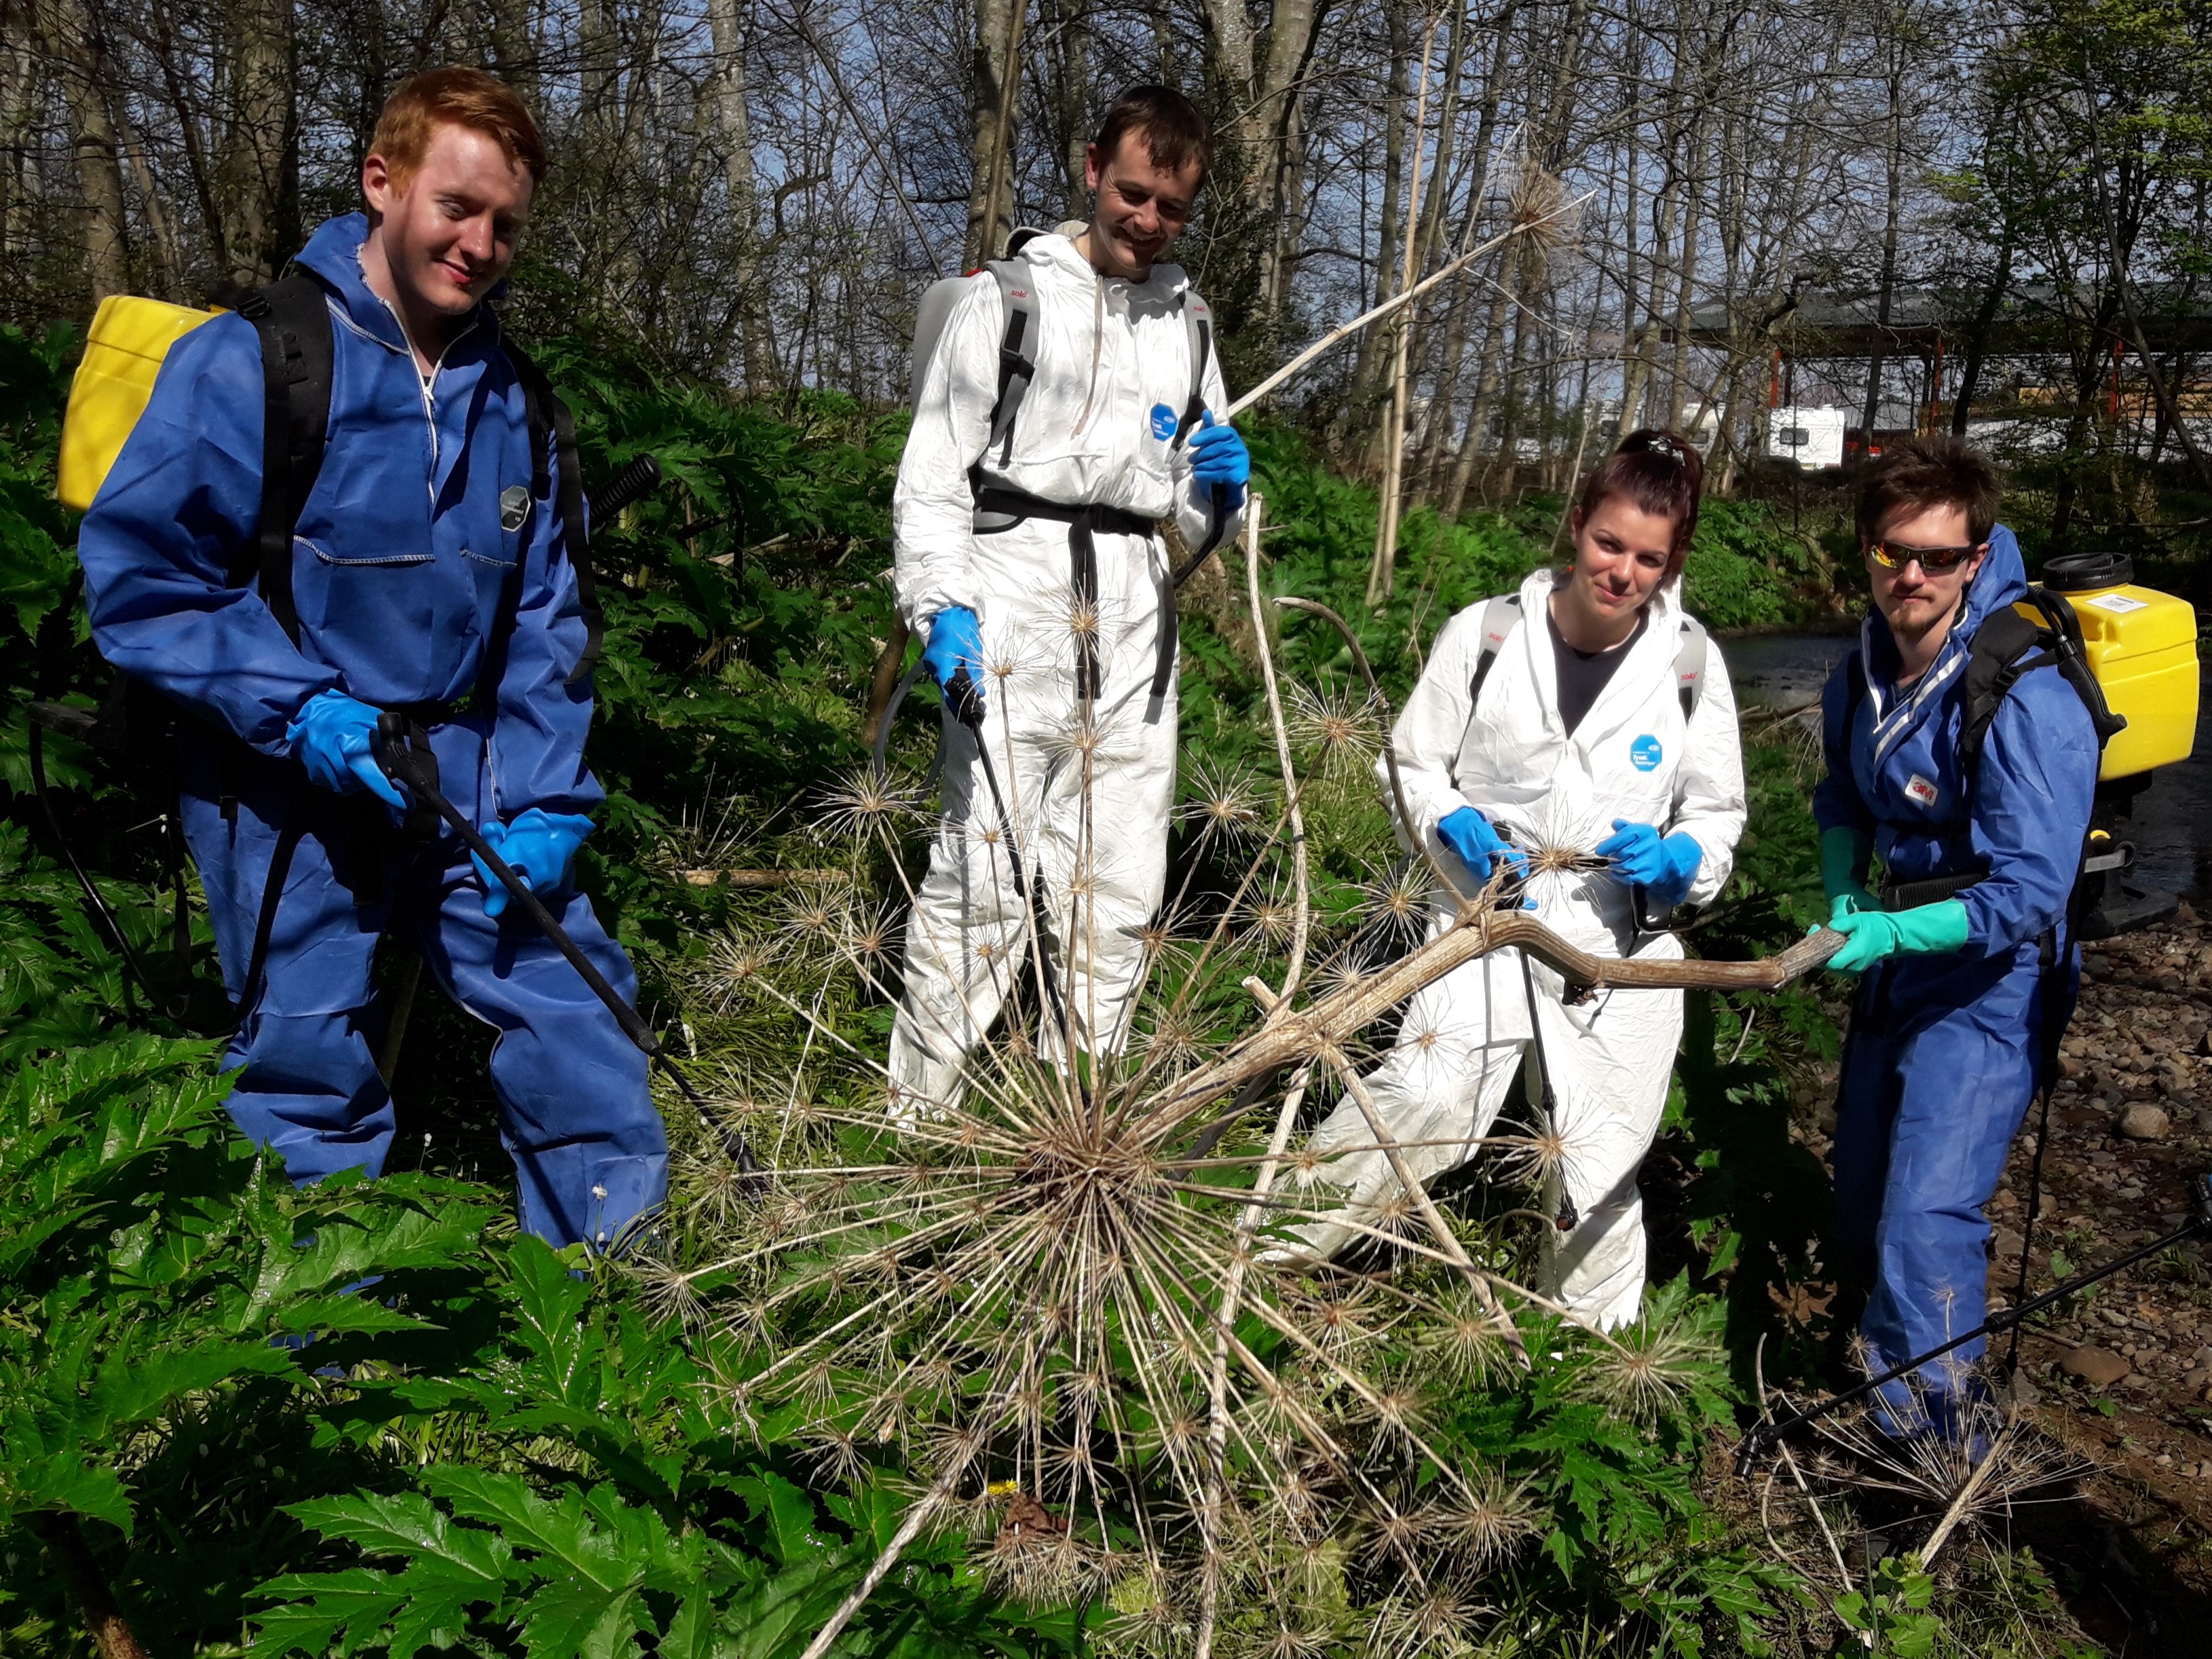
1142 206
448 232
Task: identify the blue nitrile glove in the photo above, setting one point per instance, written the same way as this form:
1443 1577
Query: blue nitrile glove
1468 833
955 641
335 737
1662 867
1217 457
1844 855
536 847
1924 930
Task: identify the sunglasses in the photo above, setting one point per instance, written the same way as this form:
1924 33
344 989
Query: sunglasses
1895 555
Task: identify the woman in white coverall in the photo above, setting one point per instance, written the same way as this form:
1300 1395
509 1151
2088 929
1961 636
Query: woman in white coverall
1577 737
1081 695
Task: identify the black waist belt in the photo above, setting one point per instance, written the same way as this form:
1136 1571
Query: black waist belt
1912 895
1000 509
430 714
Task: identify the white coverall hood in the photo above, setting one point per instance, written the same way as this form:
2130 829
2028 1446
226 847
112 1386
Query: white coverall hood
1634 757
1089 783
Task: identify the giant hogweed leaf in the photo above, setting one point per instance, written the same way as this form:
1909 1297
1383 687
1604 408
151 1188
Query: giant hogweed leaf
573 1620
772 1618
359 1229
128 1393
335 1614
563 1348
407 1524
64 1481
529 1522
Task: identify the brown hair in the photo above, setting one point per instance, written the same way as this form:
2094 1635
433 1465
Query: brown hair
1661 472
1174 132
456 96
1918 473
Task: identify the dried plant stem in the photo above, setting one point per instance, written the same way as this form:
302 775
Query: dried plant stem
1447 1240
1217 1433
1289 1035
1974 1483
1789 1462
1397 301
917 1517
1302 909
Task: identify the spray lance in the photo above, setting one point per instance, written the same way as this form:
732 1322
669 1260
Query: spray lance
1764 1436
415 770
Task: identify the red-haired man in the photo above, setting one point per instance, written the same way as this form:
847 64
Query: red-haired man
427 573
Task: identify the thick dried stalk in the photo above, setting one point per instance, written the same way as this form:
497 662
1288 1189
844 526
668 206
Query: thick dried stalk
1367 319
1302 908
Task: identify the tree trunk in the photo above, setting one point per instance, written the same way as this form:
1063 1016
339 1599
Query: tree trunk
1893 160
1436 446
257 184
82 1576
1978 332
993 104
79 64
1378 345
727 92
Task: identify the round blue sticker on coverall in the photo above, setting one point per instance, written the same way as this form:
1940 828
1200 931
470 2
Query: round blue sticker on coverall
1163 421
1644 754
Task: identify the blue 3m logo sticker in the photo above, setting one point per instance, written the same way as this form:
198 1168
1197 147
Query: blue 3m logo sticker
1644 754
1163 421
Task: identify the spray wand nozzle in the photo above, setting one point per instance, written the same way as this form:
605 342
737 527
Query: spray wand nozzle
1767 1433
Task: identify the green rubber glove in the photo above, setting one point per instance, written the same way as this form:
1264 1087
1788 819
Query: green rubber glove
1924 930
1845 852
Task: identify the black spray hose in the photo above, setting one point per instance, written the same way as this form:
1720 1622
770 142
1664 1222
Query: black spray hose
414 772
81 724
1764 1436
635 482
966 703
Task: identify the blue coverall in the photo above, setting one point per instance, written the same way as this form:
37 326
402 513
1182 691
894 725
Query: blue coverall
1945 1051
403 570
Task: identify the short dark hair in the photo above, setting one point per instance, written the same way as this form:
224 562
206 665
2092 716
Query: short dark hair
1174 132
1923 472
1661 472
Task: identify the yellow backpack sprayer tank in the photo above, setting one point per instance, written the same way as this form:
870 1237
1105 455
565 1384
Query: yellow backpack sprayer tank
122 355
2140 645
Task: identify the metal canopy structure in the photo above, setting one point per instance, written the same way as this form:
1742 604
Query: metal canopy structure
1931 322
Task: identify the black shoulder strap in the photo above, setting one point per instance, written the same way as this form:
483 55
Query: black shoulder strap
1690 653
1499 615
2001 653
1017 351
547 411
292 321
1198 327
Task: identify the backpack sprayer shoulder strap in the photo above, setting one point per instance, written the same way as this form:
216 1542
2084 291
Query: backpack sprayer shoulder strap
1500 614
292 320
1017 347
1018 299
548 411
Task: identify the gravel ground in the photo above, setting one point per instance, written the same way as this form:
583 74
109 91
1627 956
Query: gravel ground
2122 1375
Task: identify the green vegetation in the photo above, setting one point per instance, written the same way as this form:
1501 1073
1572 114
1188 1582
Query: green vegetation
371 1418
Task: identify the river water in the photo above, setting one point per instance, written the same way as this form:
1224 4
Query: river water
2171 822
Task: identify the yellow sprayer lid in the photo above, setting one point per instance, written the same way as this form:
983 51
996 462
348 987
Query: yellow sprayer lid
124 353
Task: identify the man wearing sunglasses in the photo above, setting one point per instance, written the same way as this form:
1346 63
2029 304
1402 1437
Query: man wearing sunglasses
1941 1058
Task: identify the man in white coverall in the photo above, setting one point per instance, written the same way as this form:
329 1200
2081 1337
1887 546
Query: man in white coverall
1577 737
1027 557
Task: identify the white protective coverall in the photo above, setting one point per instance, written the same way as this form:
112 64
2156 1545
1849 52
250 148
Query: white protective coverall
1096 428
1633 757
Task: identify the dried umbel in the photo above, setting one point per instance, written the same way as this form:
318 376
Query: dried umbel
1341 727
1050 1290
